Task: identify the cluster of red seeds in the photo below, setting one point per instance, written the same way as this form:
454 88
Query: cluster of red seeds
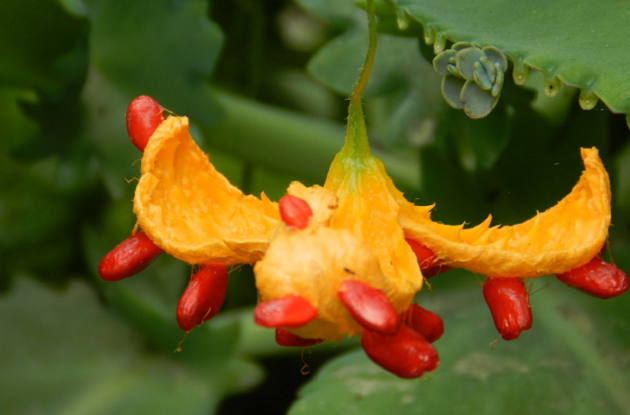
399 343
508 299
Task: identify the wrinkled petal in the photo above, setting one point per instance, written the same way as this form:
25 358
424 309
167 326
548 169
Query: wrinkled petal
555 241
192 211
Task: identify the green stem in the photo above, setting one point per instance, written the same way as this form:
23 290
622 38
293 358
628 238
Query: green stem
356 136
355 99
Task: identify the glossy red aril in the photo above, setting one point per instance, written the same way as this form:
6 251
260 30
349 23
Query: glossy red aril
290 312
203 297
406 354
144 115
288 339
426 259
425 322
129 257
508 301
295 212
369 306
597 278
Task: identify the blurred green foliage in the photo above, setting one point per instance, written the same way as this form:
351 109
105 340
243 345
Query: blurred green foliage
264 83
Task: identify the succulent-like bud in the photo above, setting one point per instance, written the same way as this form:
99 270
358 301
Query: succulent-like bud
473 77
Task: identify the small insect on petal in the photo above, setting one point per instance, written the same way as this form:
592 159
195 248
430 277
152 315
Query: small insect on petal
129 257
369 307
428 324
203 297
426 259
508 301
295 212
597 278
290 312
144 115
406 354
288 339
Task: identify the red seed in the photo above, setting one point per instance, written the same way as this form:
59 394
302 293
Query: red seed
144 115
428 324
290 312
597 278
426 259
369 306
295 212
435 270
509 304
406 354
203 297
288 339
129 257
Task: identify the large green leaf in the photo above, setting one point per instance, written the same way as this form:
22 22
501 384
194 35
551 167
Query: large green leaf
583 45
63 354
340 13
573 361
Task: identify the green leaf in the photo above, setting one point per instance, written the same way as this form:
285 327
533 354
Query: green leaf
15 127
573 361
583 45
63 354
170 49
32 237
33 35
481 142
336 65
104 107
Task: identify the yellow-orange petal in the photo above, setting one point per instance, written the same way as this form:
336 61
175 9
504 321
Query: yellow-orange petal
564 237
192 211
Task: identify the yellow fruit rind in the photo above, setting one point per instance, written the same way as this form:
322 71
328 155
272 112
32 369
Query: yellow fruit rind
564 237
192 211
